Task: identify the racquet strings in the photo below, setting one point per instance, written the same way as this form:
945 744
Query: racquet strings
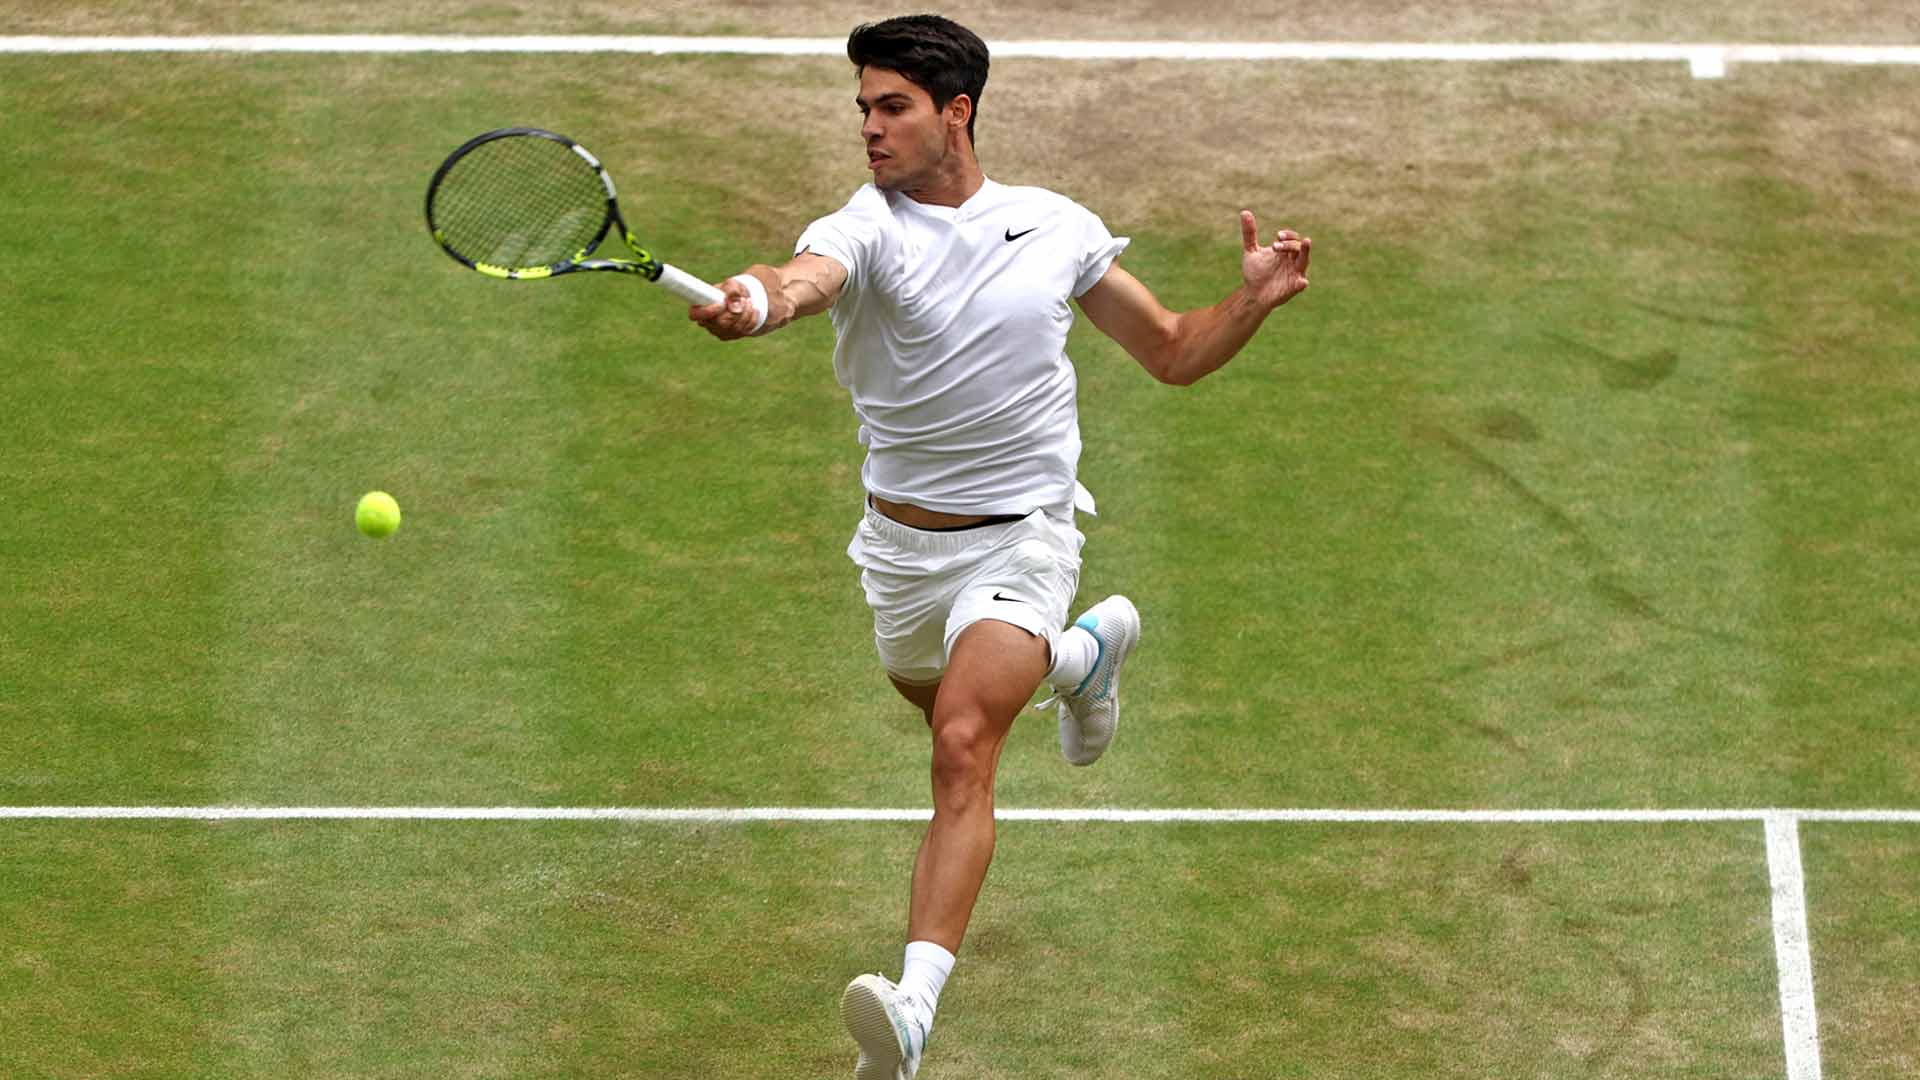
520 202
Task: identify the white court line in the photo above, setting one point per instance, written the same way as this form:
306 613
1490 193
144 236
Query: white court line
744 814
1793 955
1707 60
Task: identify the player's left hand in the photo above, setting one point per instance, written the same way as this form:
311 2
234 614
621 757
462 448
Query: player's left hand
1274 273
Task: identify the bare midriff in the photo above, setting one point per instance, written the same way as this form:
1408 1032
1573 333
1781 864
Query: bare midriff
918 517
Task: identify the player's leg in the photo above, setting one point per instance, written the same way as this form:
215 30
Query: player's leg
992 672
1005 593
911 600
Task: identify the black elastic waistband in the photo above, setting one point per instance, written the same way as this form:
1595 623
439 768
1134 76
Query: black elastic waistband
997 519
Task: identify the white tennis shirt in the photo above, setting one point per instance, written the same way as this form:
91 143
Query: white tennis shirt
951 336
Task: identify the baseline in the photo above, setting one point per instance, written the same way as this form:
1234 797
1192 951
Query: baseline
1706 60
724 814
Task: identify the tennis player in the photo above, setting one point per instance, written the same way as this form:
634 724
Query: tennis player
949 295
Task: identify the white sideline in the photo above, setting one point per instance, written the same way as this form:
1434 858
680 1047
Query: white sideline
1706 60
1792 951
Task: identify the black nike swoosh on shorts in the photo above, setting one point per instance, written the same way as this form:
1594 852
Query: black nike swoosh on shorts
1008 599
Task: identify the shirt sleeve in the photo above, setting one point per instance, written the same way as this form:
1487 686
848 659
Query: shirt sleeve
1098 249
848 236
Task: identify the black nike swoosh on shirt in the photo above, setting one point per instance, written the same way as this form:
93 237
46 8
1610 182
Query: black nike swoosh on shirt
1012 236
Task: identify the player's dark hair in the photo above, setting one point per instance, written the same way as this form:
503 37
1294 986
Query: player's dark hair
933 53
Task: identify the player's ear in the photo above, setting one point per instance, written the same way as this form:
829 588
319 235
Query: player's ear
959 111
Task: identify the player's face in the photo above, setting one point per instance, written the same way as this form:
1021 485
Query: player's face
906 137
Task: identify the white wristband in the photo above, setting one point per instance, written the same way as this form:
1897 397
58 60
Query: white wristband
757 294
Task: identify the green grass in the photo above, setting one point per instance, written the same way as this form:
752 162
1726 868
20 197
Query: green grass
396 949
1578 479
1861 905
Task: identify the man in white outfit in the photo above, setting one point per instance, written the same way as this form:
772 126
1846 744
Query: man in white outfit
949 295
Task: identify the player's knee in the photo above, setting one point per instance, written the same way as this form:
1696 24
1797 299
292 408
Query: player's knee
962 757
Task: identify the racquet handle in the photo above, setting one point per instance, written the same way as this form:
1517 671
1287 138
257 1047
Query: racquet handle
687 287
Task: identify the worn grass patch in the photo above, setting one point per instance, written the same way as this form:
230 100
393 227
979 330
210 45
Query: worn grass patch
1849 22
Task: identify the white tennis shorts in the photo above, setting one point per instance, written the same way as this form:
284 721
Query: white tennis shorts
926 587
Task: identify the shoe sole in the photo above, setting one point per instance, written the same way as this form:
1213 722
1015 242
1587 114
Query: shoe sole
864 1012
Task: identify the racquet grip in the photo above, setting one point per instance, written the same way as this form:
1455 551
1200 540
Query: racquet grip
687 287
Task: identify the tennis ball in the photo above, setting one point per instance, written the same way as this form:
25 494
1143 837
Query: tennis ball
377 515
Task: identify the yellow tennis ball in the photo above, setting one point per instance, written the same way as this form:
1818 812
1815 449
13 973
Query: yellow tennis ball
377 515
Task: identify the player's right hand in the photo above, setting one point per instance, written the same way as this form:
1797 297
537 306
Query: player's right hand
730 319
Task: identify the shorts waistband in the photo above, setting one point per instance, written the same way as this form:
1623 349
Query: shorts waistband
936 542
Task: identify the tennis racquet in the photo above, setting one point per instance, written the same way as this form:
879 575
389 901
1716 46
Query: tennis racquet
522 204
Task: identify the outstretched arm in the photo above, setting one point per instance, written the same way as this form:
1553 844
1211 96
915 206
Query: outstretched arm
807 285
1180 347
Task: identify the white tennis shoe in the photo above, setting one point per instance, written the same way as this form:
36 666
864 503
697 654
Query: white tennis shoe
891 1034
1090 713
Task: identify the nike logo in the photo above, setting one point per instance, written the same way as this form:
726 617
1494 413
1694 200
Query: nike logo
1008 599
1012 236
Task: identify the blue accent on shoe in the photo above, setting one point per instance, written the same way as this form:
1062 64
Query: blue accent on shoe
1091 624
901 1032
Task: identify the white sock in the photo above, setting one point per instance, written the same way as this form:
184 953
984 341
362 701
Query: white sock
1073 656
924 974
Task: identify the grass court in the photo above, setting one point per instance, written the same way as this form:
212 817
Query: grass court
1581 478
